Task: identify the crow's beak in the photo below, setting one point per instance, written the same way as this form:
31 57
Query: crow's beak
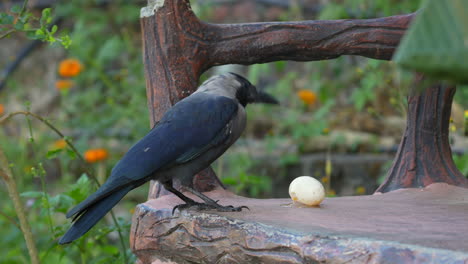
265 98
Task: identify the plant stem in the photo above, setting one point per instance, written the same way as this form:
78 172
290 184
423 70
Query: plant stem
60 134
11 220
7 33
328 170
45 196
24 7
78 154
7 176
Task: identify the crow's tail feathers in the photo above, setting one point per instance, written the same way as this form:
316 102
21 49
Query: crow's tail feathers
91 215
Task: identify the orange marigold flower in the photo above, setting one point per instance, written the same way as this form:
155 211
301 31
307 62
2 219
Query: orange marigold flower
59 144
95 155
63 85
2 109
90 156
70 67
102 154
308 97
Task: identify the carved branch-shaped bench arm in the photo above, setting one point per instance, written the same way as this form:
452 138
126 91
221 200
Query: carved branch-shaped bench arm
178 48
306 40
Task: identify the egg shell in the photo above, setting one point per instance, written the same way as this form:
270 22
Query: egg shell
307 190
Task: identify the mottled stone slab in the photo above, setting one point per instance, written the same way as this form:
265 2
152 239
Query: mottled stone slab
427 225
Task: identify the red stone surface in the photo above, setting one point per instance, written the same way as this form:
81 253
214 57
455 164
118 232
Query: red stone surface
427 225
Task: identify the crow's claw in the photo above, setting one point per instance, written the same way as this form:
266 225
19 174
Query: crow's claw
204 206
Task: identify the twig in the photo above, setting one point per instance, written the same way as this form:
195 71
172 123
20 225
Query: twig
12 66
60 134
7 33
7 176
11 220
72 147
24 7
24 52
41 174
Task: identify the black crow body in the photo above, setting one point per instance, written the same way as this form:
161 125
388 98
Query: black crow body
188 138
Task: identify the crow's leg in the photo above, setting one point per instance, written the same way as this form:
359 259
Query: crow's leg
188 201
168 186
212 204
208 205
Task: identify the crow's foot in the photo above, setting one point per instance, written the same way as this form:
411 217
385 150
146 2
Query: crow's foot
209 206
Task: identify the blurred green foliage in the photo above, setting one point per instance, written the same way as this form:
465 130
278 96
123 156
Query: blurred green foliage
20 19
106 108
462 163
436 43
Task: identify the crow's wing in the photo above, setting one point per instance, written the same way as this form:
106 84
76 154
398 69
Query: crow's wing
189 128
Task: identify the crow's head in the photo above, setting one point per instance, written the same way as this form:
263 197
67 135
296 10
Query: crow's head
234 86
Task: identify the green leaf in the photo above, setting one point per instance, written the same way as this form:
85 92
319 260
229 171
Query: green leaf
333 11
19 25
61 203
16 9
27 26
81 189
40 33
46 18
31 35
25 17
32 194
256 71
66 41
82 181
45 202
6 19
51 154
437 41
289 159
71 154
324 110
54 29
111 250
229 181
110 49
280 65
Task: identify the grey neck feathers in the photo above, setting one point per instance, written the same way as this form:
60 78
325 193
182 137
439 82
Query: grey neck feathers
223 85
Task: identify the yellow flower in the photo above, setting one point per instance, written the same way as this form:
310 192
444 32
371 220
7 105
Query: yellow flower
359 70
453 128
466 114
27 169
95 155
360 190
2 109
328 167
308 97
70 67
